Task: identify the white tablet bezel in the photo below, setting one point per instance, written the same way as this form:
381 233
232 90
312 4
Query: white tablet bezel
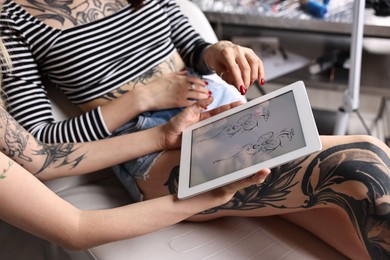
308 127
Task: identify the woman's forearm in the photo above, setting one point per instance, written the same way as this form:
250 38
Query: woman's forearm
82 158
139 218
28 204
49 161
88 157
124 108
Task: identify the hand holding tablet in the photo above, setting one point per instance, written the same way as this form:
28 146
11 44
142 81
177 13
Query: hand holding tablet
266 132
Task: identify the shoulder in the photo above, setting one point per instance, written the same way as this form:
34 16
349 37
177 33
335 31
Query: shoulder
67 14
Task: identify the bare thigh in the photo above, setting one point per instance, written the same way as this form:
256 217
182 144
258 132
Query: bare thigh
344 191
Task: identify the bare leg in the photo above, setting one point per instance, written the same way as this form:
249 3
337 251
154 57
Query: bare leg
331 223
344 189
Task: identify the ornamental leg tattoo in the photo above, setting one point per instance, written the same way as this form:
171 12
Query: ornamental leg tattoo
354 177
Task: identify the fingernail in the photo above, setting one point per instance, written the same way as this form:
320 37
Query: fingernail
262 82
210 93
251 83
205 82
242 90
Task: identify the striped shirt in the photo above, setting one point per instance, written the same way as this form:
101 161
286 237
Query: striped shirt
86 62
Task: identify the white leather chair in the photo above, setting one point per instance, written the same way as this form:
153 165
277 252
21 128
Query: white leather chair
227 238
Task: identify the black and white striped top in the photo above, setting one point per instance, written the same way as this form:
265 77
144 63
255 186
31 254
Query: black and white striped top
86 62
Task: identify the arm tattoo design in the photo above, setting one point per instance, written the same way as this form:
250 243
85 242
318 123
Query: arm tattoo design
16 139
355 177
58 153
4 171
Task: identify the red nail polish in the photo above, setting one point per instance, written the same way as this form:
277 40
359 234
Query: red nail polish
210 93
262 82
206 83
242 90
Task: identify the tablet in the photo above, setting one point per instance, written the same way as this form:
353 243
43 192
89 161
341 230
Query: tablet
266 132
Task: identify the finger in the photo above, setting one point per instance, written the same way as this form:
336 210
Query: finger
197 95
261 72
223 108
192 113
201 83
183 72
204 103
256 66
245 66
256 179
223 74
261 175
197 80
189 115
238 69
232 72
196 92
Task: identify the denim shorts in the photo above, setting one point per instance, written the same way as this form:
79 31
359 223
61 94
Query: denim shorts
139 168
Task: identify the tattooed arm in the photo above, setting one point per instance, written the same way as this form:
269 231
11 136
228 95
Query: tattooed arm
48 161
152 91
26 203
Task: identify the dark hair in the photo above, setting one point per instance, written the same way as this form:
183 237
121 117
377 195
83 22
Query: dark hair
136 3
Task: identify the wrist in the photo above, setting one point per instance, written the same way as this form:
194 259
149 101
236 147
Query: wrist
208 200
204 58
199 58
160 135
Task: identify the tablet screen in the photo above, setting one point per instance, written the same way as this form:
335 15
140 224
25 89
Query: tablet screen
251 136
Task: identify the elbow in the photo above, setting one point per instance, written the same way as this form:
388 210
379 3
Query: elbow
74 237
74 247
74 243
71 246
